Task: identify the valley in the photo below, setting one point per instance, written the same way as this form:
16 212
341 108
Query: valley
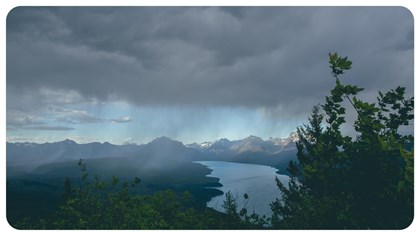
36 172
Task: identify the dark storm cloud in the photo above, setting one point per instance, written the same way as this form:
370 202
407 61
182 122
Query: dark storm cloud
270 57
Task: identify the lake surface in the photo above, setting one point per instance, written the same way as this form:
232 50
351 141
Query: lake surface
258 181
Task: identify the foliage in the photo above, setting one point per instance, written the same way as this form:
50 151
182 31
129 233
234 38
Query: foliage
341 181
68 190
229 205
241 219
109 205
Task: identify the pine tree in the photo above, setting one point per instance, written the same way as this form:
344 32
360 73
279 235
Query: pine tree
68 190
341 181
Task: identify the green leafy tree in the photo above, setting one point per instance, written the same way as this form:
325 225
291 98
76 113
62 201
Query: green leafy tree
341 181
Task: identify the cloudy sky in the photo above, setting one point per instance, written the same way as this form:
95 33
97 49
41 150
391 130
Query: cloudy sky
192 74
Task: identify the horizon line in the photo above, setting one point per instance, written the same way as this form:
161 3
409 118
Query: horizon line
135 143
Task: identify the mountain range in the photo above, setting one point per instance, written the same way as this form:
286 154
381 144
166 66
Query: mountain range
249 144
160 153
36 172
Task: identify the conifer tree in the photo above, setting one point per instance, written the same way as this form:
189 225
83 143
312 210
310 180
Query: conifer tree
340 181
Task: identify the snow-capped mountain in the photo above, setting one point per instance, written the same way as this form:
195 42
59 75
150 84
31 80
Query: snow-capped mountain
203 145
286 143
253 144
249 144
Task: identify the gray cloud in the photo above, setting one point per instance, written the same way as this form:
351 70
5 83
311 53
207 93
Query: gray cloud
17 120
46 127
73 116
267 57
24 121
124 119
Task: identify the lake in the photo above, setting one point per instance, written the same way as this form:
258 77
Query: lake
258 181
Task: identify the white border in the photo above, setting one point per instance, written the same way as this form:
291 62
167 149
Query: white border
7 5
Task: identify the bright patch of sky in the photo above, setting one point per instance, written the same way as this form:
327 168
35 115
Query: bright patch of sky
120 122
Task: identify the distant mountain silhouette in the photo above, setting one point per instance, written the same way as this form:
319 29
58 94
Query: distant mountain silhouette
161 153
30 155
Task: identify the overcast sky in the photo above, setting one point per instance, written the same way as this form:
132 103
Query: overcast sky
192 74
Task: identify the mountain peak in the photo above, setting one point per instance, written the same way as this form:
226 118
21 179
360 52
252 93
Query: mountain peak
222 140
253 137
162 139
68 141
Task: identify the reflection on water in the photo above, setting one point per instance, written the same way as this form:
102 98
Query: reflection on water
258 181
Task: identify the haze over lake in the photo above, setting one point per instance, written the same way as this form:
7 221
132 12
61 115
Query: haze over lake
258 181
